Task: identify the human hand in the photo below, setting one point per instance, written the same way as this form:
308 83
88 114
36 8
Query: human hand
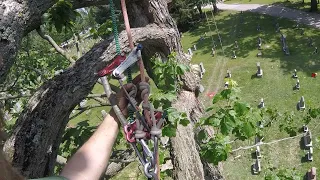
122 98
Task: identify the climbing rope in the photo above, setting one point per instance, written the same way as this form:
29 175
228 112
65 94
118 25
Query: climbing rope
207 19
215 23
140 128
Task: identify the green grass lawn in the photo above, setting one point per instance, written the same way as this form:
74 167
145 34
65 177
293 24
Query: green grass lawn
276 86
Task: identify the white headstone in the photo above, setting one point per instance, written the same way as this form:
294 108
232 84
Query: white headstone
261 105
202 70
190 52
194 47
259 71
298 84
302 105
234 55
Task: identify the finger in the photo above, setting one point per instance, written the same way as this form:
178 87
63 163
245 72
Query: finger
137 79
127 87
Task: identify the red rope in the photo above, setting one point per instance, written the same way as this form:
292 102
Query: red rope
141 68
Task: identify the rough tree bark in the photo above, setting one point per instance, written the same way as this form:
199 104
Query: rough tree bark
18 18
37 134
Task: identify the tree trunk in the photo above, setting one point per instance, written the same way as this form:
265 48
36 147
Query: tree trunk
314 6
37 133
200 10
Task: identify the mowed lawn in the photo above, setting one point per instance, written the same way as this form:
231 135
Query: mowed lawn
276 86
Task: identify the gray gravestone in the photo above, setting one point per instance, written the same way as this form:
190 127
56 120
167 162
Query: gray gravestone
190 52
315 50
228 74
194 47
261 104
302 104
298 85
295 75
259 71
236 44
259 43
234 55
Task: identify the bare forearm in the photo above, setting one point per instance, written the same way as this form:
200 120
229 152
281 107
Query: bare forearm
90 161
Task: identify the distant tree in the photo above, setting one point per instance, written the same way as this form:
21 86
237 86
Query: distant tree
314 6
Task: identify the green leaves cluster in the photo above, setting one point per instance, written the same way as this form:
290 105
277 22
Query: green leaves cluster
166 78
74 137
62 15
230 117
283 173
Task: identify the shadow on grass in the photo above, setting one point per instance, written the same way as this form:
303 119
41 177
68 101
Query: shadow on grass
301 143
242 27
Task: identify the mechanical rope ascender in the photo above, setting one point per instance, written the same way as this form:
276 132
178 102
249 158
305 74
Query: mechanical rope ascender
140 127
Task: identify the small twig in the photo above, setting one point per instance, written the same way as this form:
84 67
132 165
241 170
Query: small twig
55 45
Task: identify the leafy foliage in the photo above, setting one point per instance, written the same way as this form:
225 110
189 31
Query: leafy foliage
283 173
230 117
61 15
166 77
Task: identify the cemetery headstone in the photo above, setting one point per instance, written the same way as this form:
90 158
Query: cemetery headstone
190 52
201 38
259 54
258 27
259 71
228 74
295 75
194 47
258 152
213 51
302 32
234 55
307 139
287 52
226 85
315 50
305 128
261 104
236 44
302 104
202 70
259 43
298 85
256 167
310 154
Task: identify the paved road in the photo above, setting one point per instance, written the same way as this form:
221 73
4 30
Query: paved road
274 10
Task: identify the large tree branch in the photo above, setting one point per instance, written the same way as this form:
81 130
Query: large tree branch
44 116
18 18
55 45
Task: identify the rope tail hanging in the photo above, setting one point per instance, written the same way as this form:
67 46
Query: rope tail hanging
140 128
146 105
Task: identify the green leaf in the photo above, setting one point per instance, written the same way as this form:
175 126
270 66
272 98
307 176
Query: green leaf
241 108
202 135
248 129
226 93
184 122
181 69
216 98
169 131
